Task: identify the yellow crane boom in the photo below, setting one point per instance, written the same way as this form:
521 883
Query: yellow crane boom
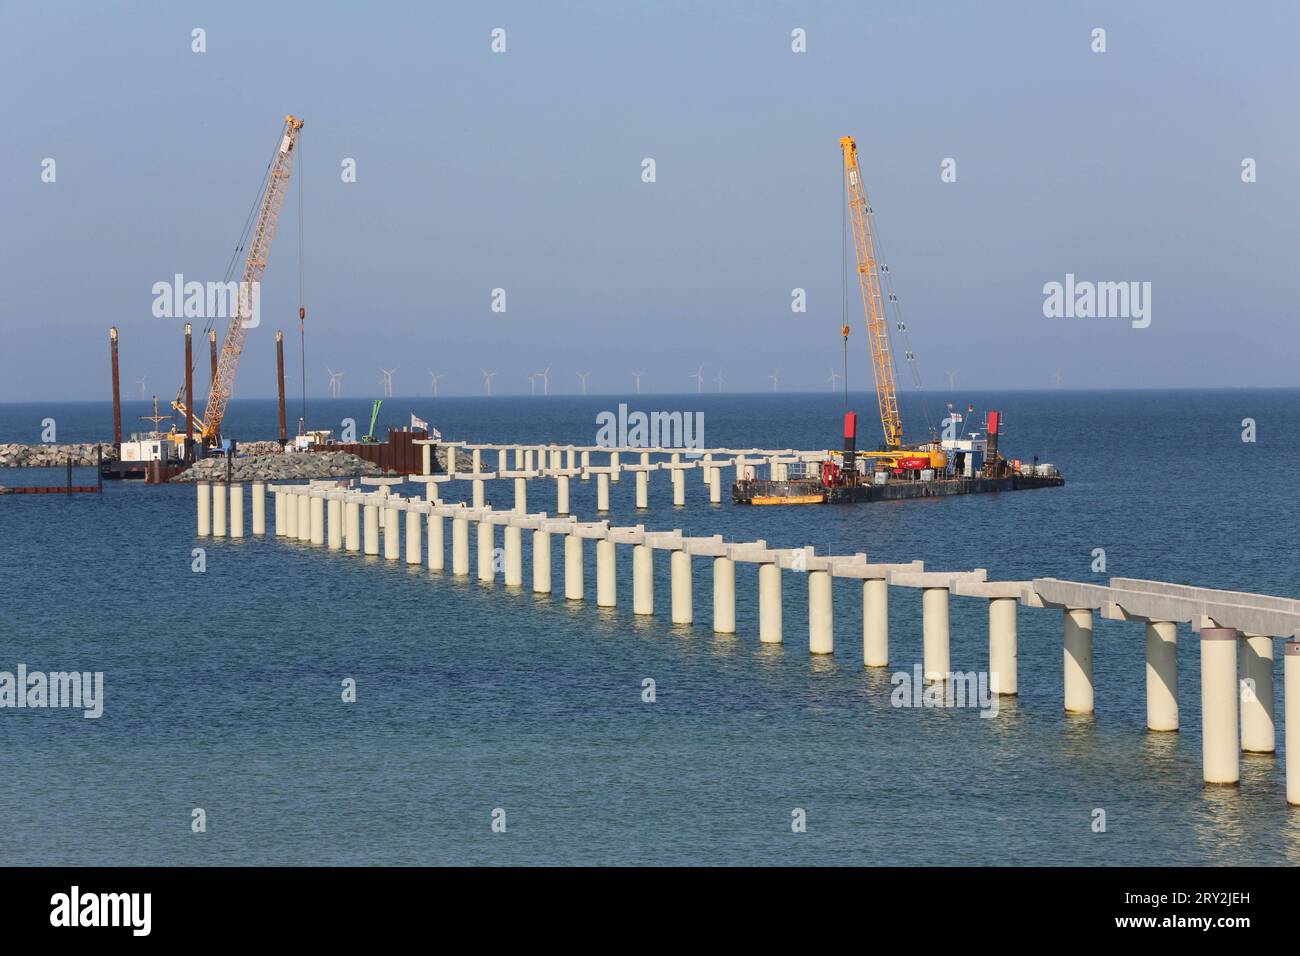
882 357
259 251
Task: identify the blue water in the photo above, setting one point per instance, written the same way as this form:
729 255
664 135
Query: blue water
223 688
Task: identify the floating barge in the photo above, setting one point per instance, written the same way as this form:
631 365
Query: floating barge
811 491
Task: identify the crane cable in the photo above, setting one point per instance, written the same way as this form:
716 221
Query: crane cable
891 297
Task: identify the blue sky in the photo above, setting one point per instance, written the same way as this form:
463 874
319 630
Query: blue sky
522 171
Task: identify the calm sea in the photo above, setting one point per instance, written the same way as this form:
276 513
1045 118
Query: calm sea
223 689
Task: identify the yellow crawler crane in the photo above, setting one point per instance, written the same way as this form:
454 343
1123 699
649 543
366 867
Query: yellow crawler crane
882 357
259 251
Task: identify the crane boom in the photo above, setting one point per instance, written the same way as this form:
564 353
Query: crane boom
259 250
882 357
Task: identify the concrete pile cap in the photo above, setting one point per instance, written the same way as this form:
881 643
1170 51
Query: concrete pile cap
491 516
590 529
712 546
751 552
558 525
520 474
1199 607
1020 590
801 559
533 521
665 540
382 481
936 579
436 479
633 535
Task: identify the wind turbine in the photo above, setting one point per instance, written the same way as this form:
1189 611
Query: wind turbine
951 380
775 377
487 380
546 380
388 380
583 376
719 380
835 377
699 379
433 378
637 376
1057 378
140 380
532 383
336 379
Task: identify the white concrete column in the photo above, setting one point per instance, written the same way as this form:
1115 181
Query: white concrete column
478 494
370 519
414 548
449 454
1162 675
1002 645
431 492
562 494
203 499
514 544
586 463
606 573
573 567
519 458
476 456
291 514
769 603
541 562
437 547
643 579
280 524
1258 733
613 464
392 533
487 546
426 459
316 515
715 486
1291 699
219 509
501 459
645 458
334 524
934 633
1220 741
821 629
642 490
680 568
352 524
521 496
679 488
741 467
460 546
875 622
259 508
1078 661
528 459
602 492
304 516
724 596
707 468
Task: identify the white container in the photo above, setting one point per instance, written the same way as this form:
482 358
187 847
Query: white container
927 474
882 477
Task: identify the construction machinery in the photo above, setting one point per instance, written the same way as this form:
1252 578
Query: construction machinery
896 469
369 437
260 237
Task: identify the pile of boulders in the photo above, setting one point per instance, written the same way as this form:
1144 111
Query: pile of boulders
284 467
52 455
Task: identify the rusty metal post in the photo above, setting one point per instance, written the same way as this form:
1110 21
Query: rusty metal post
117 393
189 393
69 474
279 373
99 469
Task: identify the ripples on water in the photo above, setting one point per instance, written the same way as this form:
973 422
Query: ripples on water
223 689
